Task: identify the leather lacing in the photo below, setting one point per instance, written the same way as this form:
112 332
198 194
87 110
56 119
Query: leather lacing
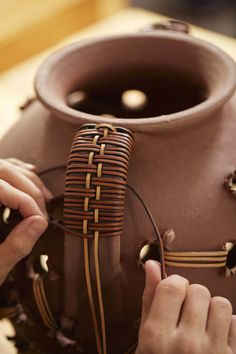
214 259
99 161
42 303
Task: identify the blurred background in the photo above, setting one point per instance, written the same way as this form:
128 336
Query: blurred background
27 27
217 15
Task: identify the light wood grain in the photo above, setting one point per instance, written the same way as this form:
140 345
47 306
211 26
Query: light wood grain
30 26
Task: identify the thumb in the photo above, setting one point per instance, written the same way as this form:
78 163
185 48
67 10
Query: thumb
153 277
20 242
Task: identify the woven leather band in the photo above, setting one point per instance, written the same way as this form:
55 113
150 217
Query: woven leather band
95 197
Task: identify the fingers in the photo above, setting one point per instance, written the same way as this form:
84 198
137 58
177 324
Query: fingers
232 334
22 190
25 180
38 182
153 277
19 181
219 320
195 309
20 242
169 294
20 163
16 199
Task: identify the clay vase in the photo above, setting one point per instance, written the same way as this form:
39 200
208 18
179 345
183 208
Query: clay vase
184 129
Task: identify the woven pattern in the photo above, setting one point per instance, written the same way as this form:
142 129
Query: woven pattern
212 259
94 201
96 180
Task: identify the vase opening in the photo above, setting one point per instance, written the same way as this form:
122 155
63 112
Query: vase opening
136 80
139 92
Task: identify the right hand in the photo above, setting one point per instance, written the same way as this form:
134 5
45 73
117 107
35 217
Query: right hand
21 189
179 318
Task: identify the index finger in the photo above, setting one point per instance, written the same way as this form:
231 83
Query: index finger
167 303
18 200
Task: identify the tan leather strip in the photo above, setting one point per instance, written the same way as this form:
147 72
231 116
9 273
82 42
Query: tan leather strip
196 254
39 303
99 290
196 265
45 302
86 203
195 259
90 295
88 278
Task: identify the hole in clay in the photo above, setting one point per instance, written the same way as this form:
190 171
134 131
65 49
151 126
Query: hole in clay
43 262
75 98
134 99
230 246
40 264
149 252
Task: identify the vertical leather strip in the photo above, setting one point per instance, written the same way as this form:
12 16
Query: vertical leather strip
99 290
90 295
40 305
45 302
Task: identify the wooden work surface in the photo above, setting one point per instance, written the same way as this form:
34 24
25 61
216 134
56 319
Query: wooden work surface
16 85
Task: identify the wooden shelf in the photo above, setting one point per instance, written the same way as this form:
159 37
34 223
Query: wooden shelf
30 26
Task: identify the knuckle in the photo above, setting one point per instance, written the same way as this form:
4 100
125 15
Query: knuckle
35 179
150 337
19 247
38 196
222 304
2 185
4 167
174 285
26 199
188 344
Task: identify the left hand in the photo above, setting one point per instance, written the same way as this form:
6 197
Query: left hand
21 189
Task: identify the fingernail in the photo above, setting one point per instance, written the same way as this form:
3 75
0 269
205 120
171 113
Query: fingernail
47 194
155 263
37 227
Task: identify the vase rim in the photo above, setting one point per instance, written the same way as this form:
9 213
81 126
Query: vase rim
207 107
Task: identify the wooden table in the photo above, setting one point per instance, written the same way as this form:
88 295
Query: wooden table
16 85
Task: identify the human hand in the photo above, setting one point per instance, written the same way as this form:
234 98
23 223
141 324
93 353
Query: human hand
179 318
21 189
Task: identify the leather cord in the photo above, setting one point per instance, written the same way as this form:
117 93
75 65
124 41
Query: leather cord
42 303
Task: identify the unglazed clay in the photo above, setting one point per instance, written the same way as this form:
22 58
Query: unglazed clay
184 148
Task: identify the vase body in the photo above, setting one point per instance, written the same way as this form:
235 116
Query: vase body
184 148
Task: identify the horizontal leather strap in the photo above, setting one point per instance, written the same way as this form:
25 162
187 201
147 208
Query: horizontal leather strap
196 265
196 254
195 259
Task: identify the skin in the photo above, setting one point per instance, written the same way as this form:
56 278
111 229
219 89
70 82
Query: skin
179 318
21 189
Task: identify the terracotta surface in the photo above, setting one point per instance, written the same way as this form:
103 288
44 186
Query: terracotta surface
184 148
